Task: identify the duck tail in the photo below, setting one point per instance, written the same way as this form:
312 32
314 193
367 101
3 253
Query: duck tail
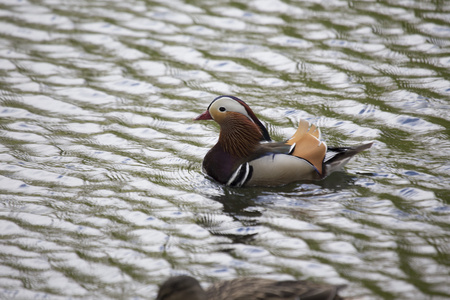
337 157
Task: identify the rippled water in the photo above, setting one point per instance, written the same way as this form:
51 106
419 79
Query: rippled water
101 189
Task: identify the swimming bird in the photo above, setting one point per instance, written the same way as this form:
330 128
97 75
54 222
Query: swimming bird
245 155
188 288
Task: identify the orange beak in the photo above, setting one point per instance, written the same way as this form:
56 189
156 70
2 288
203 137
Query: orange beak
204 116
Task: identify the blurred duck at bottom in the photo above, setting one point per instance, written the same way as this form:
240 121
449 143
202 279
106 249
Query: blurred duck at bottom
188 288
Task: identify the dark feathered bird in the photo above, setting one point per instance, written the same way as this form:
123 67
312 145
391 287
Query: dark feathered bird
245 154
188 288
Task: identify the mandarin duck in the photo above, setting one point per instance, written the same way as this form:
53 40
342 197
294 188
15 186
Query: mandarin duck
186 287
246 155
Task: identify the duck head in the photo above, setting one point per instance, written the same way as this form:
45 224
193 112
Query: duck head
181 288
230 111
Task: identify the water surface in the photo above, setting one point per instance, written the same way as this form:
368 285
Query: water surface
102 195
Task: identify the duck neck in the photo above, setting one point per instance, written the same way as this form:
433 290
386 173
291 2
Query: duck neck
239 136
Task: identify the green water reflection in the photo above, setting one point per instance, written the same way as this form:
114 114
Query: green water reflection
101 189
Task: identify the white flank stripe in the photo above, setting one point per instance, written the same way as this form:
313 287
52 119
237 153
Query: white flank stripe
233 176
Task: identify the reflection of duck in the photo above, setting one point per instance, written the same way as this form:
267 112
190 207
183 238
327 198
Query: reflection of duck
188 288
245 155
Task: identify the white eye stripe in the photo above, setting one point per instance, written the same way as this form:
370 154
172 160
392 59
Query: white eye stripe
229 105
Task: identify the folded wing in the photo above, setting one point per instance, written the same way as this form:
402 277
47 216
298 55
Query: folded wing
307 145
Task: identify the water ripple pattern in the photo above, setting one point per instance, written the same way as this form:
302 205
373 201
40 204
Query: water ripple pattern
101 190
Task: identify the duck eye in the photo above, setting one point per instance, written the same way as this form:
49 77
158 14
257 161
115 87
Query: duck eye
222 108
